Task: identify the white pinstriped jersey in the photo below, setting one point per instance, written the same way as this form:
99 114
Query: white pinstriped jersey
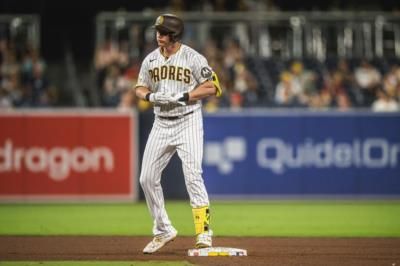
181 72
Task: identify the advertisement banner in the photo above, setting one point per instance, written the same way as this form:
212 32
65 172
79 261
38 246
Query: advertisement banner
297 153
76 155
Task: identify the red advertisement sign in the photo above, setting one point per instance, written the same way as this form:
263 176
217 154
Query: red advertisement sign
81 155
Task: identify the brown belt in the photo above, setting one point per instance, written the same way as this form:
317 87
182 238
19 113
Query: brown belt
174 117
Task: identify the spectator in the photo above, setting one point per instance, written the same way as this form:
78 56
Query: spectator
106 55
317 100
114 84
232 52
368 79
305 78
236 101
245 83
12 85
39 86
5 100
384 102
391 82
336 89
343 102
348 82
32 61
9 65
347 76
287 92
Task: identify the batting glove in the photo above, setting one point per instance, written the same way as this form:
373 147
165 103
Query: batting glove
159 97
180 98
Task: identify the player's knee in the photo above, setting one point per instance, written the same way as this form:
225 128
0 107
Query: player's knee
143 182
146 182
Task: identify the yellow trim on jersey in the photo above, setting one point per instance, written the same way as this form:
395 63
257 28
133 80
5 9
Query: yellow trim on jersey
215 81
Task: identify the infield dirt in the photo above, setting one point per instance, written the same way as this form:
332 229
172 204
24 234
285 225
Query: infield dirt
261 250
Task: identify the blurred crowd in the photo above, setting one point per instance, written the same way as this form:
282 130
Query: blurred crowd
340 84
23 81
247 80
335 84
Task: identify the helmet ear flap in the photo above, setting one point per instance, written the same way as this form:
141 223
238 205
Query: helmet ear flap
171 37
174 37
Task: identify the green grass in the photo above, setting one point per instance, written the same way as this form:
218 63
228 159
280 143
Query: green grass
250 218
97 263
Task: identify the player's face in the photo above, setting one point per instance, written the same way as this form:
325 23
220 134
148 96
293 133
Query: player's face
163 38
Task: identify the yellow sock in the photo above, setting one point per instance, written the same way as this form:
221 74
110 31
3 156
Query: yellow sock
201 217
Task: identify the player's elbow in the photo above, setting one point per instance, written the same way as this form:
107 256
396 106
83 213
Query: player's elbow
140 92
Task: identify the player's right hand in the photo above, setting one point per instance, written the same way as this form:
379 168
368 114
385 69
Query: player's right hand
160 97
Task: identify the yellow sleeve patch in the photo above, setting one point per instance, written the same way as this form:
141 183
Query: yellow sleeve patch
216 84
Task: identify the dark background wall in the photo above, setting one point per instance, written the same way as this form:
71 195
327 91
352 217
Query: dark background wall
71 23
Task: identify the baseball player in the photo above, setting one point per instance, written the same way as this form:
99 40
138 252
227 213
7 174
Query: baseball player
175 78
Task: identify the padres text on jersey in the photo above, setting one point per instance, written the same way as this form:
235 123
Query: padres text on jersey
176 73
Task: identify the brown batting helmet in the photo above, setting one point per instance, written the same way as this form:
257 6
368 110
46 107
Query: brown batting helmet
170 24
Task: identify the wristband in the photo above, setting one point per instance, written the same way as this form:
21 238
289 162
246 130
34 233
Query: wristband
185 97
147 97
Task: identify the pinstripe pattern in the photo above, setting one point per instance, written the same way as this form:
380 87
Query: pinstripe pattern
185 58
183 135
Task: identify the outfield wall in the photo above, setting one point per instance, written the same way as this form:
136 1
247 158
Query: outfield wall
295 152
89 155
72 154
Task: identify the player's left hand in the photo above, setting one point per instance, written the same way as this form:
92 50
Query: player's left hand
180 98
160 97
